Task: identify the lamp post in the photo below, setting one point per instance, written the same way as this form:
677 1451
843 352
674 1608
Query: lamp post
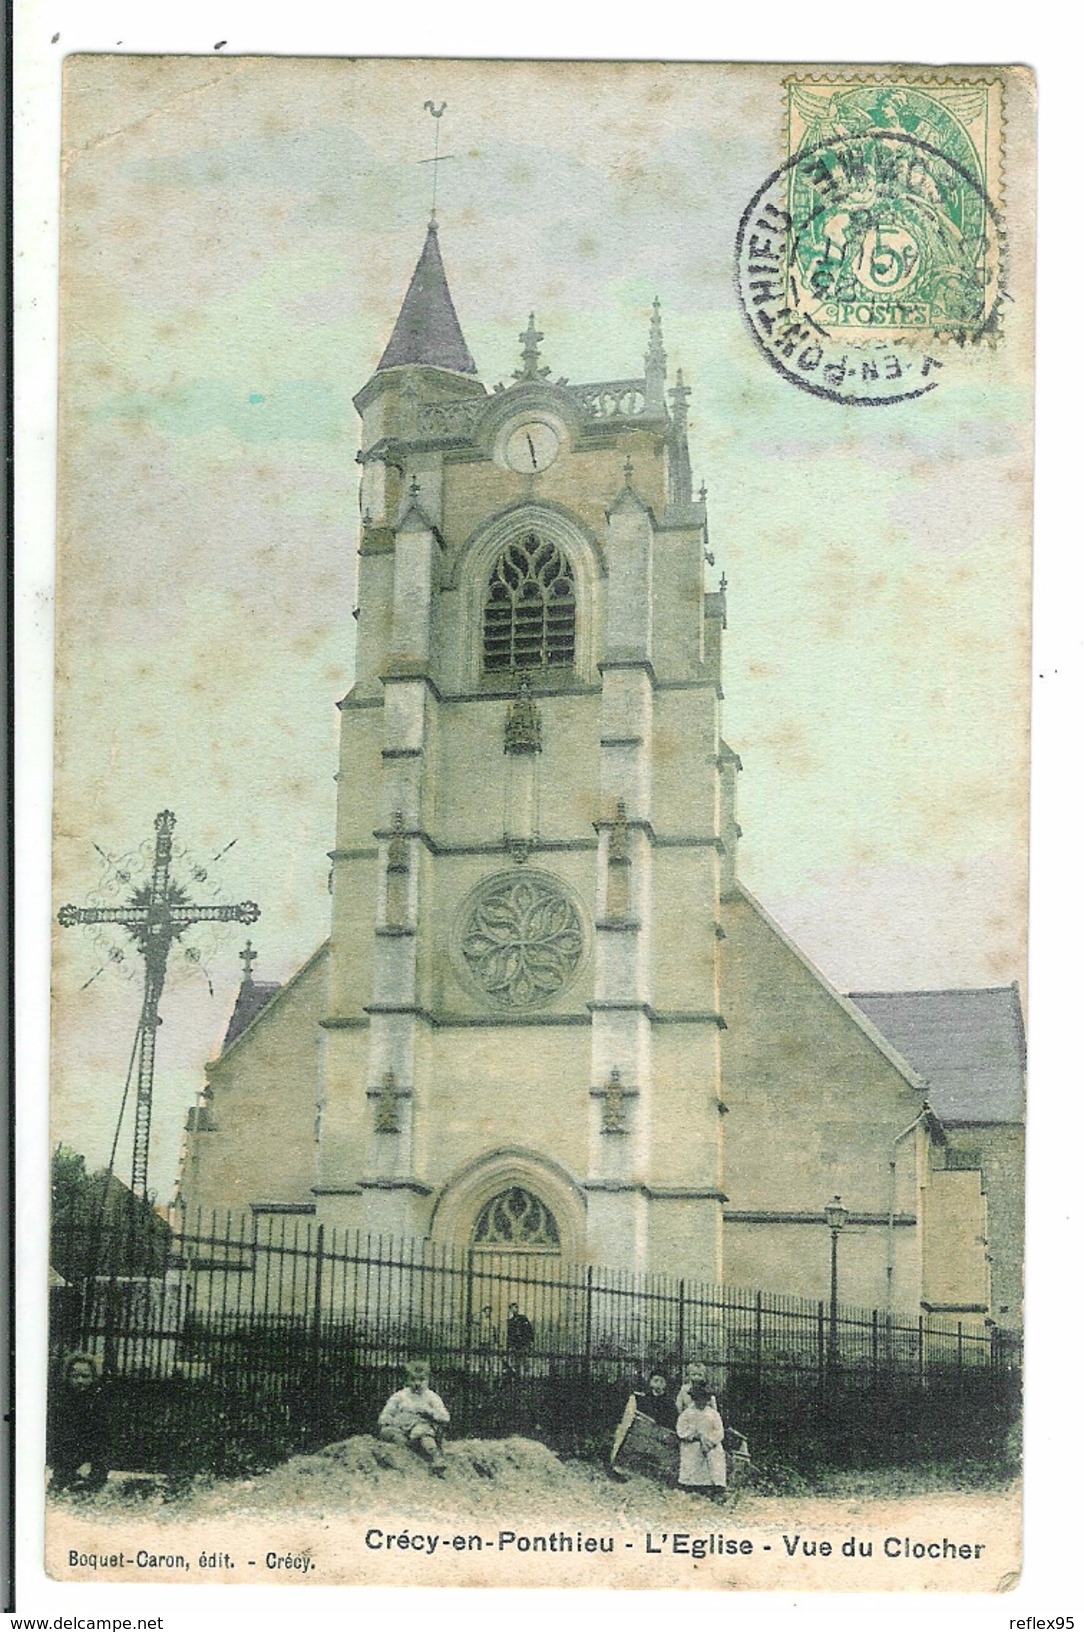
836 1215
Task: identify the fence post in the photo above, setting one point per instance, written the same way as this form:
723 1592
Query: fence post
317 1292
468 1315
873 1344
921 1349
757 1342
588 1335
681 1328
820 1343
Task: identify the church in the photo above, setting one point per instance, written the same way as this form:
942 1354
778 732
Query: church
549 1017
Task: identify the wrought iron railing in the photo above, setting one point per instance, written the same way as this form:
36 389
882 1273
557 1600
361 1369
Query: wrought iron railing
300 1331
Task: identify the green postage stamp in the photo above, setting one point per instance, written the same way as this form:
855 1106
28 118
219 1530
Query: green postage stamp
540 841
892 188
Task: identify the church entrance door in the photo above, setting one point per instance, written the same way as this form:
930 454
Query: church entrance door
515 1286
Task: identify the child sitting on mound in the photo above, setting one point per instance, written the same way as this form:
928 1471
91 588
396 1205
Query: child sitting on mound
415 1417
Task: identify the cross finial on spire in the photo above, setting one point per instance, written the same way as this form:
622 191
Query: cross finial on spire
415 488
248 956
628 470
532 346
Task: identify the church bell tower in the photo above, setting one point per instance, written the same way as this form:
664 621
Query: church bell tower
535 816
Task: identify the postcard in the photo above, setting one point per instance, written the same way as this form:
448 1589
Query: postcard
540 831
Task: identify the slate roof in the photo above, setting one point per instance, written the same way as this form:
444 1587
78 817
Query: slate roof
967 1044
427 328
252 996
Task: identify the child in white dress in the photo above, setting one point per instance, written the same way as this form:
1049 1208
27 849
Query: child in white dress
700 1430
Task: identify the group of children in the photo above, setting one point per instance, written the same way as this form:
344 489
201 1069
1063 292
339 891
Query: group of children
414 1417
695 1417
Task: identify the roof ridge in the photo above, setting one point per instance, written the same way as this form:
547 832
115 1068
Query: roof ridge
936 991
865 1024
273 997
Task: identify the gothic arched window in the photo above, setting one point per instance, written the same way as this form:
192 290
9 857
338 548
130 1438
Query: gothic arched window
529 620
516 1221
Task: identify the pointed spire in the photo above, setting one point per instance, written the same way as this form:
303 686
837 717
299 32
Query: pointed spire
655 364
679 396
532 348
427 329
679 467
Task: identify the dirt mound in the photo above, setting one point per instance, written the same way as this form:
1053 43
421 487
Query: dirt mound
485 1480
483 1477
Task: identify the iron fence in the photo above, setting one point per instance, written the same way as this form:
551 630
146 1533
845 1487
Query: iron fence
263 1335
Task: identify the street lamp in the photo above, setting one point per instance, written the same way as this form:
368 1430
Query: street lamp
836 1215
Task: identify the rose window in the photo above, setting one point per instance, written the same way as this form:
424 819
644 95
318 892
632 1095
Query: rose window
521 939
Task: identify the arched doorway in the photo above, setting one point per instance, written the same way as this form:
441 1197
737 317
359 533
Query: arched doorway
519 1219
516 1285
512 1200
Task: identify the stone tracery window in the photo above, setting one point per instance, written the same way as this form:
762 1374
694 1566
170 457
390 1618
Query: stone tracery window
520 939
516 1221
529 621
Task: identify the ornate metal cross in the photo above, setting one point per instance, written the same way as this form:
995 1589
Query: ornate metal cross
158 914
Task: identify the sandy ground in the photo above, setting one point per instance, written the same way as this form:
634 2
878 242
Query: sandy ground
509 1512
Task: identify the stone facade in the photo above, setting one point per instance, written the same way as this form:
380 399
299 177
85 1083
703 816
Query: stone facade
543 975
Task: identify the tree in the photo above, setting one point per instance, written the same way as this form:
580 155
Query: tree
99 1226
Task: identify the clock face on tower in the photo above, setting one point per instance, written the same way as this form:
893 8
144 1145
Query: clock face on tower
531 446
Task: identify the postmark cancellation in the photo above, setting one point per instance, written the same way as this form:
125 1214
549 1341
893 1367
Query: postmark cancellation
881 228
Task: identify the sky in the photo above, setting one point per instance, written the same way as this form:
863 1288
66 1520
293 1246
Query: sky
237 236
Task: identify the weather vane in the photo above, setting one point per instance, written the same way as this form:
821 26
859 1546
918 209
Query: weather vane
438 156
156 915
